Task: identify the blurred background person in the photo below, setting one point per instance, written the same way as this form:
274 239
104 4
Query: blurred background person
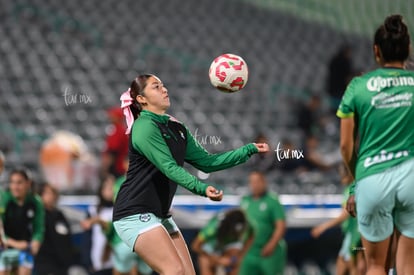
2 160
340 72
313 159
100 250
22 215
125 261
345 262
308 119
57 253
3 177
66 162
219 243
291 164
266 251
116 144
263 162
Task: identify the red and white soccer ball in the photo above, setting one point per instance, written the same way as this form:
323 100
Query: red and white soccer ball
228 73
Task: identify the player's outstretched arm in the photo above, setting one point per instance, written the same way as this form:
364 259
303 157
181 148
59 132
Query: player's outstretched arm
317 231
200 158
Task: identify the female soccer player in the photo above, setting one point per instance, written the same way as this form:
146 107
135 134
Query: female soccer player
220 242
379 105
158 147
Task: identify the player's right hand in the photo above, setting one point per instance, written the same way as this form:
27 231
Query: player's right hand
262 147
214 194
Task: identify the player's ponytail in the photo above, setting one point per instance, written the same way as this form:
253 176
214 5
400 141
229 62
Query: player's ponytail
393 39
129 104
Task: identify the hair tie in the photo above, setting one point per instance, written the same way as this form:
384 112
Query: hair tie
126 101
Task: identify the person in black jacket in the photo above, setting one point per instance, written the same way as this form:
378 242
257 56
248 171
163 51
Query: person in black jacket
56 253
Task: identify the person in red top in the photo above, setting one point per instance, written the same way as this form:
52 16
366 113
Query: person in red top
116 144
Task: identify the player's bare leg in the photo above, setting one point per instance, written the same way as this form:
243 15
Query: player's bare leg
24 271
158 250
342 266
376 256
405 256
182 249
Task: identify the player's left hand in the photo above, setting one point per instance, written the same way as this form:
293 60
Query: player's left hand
351 206
262 147
214 194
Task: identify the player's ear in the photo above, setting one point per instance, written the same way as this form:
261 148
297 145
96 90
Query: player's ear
377 54
141 100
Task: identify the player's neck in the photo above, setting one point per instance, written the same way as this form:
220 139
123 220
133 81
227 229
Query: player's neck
155 110
20 201
394 64
259 195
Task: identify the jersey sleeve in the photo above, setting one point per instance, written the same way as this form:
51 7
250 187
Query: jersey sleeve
148 141
39 220
278 212
201 159
347 106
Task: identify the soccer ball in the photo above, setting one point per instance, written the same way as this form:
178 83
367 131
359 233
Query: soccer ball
228 73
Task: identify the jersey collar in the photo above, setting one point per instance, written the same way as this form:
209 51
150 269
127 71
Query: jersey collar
159 118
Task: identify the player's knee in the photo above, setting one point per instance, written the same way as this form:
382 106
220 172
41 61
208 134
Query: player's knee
178 270
175 269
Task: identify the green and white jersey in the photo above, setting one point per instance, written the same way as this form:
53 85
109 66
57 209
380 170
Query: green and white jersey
262 214
381 102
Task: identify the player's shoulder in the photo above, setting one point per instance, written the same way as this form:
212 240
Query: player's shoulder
356 81
144 126
246 198
6 196
273 196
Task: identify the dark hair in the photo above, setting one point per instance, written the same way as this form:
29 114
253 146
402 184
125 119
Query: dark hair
137 88
231 226
103 202
20 171
393 39
42 188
